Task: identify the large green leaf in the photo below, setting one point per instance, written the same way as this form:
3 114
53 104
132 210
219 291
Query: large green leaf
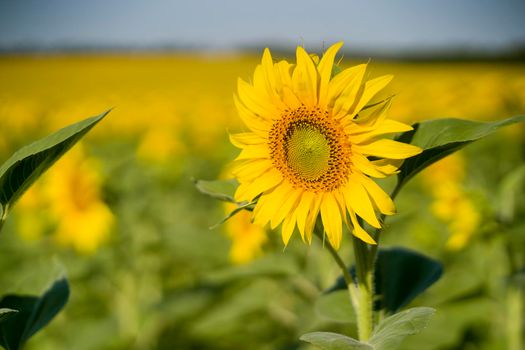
34 313
440 137
403 274
27 164
334 341
390 332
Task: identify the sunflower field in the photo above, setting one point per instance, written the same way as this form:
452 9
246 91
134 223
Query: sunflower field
151 265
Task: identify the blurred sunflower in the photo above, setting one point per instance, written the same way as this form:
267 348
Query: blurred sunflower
68 199
307 146
247 238
451 202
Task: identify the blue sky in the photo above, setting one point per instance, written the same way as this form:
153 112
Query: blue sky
225 24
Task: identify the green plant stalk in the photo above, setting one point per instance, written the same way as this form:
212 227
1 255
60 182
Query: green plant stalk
365 288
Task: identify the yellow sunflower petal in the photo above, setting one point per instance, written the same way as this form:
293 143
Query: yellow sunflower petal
265 182
366 166
380 198
265 208
254 151
325 72
256 102
388 166
304 78
302 211
386 127
285 207
255 123
372 87
251 169
357 199
268 69
312 217
358 231
288 227
331 219
346 80
340 198
377 115
385 148
246 138
348 96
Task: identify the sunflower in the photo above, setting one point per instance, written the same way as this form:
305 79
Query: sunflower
307 148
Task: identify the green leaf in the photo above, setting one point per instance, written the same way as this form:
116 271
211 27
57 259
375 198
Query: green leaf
26 165
336 307
403 274
441 137
218 189
34 313
390 332
5 313
334 341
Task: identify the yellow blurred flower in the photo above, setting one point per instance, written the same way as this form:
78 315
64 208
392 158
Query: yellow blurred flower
69 196
159 144
247 238
451 203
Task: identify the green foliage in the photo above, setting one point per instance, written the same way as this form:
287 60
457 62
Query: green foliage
336 307
511 192
390 332
34 313
440 137
402 275
27 164
22 316
5 313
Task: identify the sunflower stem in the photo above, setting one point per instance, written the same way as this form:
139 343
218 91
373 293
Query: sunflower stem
365 288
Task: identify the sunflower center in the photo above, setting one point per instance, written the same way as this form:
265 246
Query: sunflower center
310 149
308 152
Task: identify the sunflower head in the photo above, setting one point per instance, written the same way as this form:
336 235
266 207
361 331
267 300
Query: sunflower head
307 148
